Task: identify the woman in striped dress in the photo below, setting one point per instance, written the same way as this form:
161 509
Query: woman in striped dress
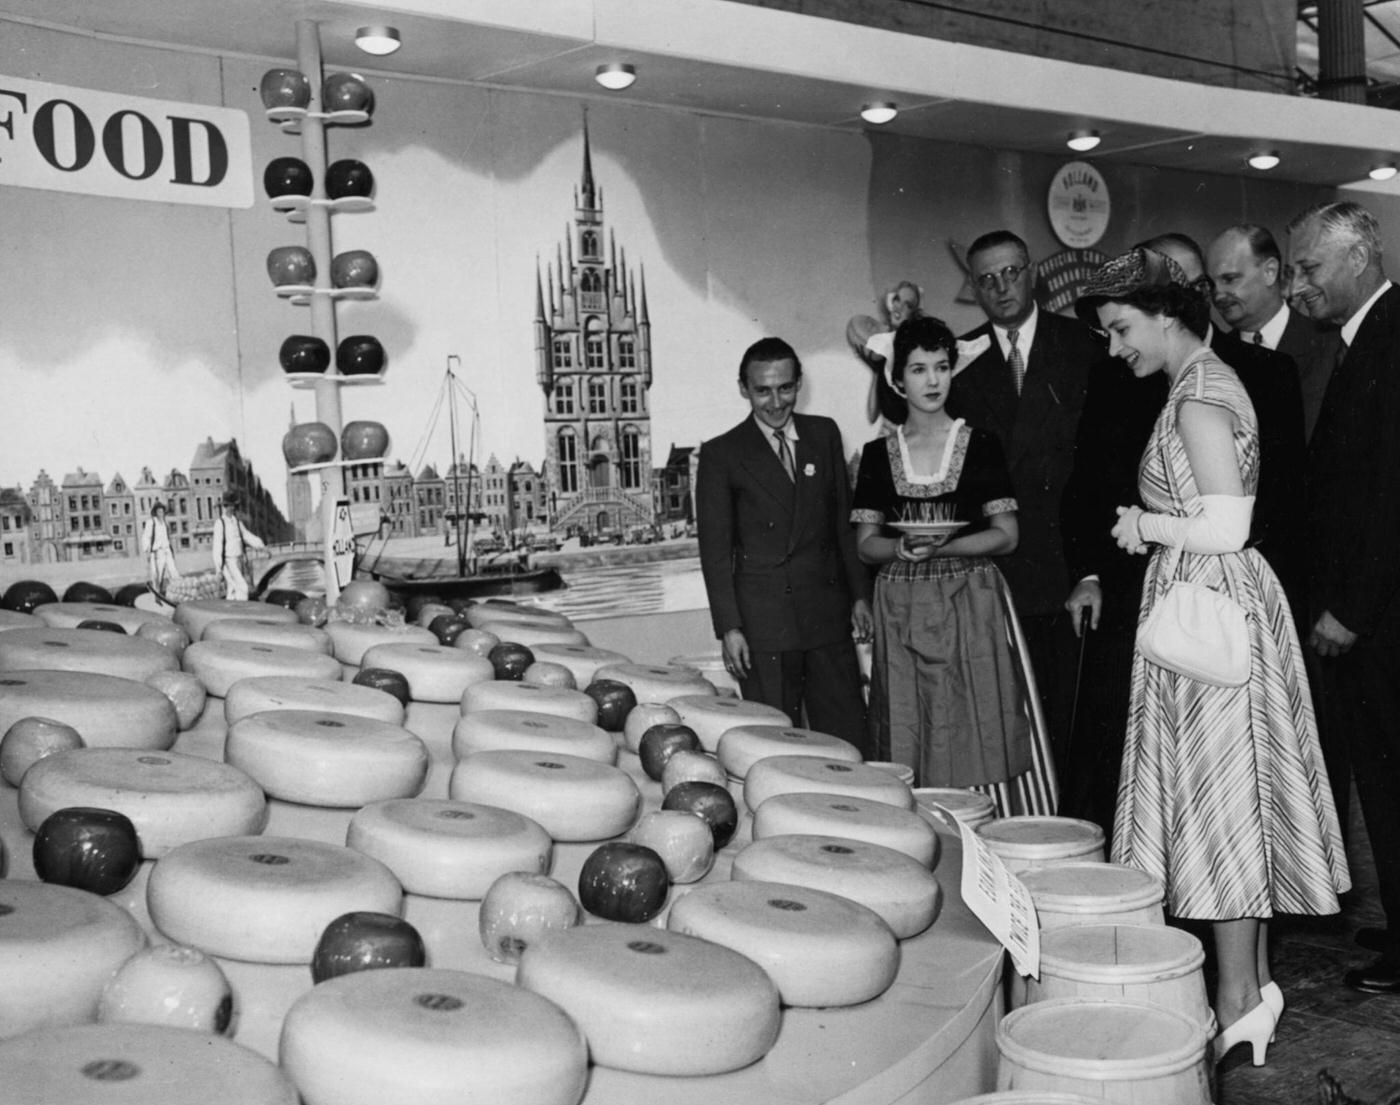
1223 794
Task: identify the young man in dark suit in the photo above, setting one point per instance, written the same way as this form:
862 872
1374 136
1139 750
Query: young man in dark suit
778 552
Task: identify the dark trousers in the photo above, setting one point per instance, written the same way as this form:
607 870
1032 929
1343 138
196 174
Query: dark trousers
825 680
1053 650
1089 785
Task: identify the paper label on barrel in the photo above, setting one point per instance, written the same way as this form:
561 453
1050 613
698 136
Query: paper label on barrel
1000 901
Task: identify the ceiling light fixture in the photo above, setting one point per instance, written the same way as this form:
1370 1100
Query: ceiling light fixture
1383 172
1082 141
879 113
1264 160
615 76
378 40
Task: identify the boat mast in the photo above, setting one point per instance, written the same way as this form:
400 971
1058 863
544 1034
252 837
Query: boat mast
456 464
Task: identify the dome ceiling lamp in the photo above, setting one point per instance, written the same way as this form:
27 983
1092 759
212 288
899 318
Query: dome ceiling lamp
615 75
1083 140
1264 160
378 39
879 113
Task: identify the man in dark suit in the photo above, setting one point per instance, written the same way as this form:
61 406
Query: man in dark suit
778 552
1353 519
1028 389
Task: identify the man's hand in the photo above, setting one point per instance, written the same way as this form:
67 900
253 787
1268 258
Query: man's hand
862 621
1329 637
1087 597
736 653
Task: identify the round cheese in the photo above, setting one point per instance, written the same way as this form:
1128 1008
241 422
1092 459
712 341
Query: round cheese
744 745
196 615
321 758
505 613
582 660
897 887
68 615
435 673
221 664
58 946
657 682
86 650
14 619
172 798
107 711
819 949
842 815
528 731
420 1036
352 641
446 849
270 631
264 899
654 1001
530 634
711 716
573 798
711 666
820 775
505 694
285 692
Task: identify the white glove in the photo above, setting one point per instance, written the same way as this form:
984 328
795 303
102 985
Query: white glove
1221 527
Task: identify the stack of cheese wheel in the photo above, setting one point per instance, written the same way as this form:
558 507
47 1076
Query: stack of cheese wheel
821 775
264 899
816 814
744 745
896 886
270 631
655 1001
170 797
573 798
656 682
221 664
711 716
446 849
1094 893
84 650
1029 841
138 1064
351 641
819 949
58 946
322 758
196 615
582 660
421 1036
107 711
954 805
283 692
531 731
435 673
69 615
533 697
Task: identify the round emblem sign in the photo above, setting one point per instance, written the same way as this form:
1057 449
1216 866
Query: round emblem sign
1078 205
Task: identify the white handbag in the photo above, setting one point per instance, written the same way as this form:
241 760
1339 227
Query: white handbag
1196 631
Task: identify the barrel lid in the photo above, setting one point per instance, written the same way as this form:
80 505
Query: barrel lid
965 805
1120 953
1029 1097
1029 837
1091 887
1101 1039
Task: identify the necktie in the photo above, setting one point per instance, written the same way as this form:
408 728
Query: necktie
785 454
1258 337
1016 361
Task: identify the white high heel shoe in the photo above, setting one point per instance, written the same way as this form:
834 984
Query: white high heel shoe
1255 1028
1272 996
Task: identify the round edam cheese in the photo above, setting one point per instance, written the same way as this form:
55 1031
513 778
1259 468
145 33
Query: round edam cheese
573 798
58 946
530 731
435 673
897 887
819 949
744 745
711 716
847 816
172 798
505 694
582 660
322 758
513 614
447 849
68 615
107 711
196 615
285 692
822 775
654 1001
270 631
422 1036
85 650
657 682
352 641
264 899
221 664
530 635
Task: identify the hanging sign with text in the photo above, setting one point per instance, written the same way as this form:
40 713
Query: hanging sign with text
66 139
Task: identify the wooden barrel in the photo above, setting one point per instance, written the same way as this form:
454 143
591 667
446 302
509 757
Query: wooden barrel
1093 894
1029 1097
900 771
966 805
1126 1052
1028 841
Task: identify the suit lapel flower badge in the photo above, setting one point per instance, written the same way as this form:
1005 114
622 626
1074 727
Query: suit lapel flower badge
809 470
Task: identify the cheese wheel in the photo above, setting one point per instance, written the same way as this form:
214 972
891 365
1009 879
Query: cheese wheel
14 619
172 798
139 1064
513 614
744 745
573 798
846 816
197 615
322 758
505 694
107 711
58 946
264 899
582 660
822 775
435 673
285 692
530 635
421 1036
68 615
529 731
86 650
352 641
446 849
654 1001
711 716
657 682
711 666
269 631
897 887
819 949
221 664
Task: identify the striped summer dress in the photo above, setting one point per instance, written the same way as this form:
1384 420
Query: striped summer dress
1223 793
